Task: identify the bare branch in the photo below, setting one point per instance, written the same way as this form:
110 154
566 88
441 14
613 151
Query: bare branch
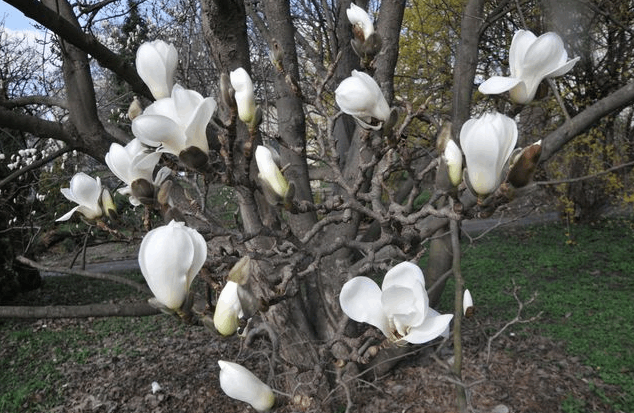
138 309
88 43
97 275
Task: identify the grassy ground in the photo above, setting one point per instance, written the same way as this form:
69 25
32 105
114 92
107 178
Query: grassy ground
584 277
584 280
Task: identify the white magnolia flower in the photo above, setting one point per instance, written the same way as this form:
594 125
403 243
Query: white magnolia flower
360 20
270 173
156 63
400 308
239 383
453 158
91 198
243 86
531 59
467 301
487 143
228 310
173 124
130 163
170 258
360 96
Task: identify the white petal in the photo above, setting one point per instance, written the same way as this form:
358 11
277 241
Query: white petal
545 55
498 84
197 128
156 63
467 301
433 326
487 142
359 95
360 299
358 16
243 86
453 158
404 306
186 101
67 215
165 258
563 69
269 171
162 175
228 310
142 166
85 190
239 383
522 40
200 254
405 274
155 130
118 160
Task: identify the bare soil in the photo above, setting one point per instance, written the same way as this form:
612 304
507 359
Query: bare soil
522 375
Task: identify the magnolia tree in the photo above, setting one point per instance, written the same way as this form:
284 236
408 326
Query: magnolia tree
298 272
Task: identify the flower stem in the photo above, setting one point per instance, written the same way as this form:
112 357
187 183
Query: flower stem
461 396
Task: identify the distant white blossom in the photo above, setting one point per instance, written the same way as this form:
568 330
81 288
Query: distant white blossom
531 60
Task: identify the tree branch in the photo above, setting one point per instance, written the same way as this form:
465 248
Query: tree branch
584 120
139 309
97 275
88 43
37 126
34 100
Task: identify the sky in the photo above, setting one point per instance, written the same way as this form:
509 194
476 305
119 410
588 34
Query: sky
13 18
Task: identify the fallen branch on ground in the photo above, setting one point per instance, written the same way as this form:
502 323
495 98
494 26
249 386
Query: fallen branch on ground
97 275
137 309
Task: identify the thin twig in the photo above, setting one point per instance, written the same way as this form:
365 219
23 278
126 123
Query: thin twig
516 320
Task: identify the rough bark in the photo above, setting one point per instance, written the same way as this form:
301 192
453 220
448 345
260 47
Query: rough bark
389 27
466 61
290 113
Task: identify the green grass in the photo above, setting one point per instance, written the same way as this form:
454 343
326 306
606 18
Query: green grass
585 285
32 353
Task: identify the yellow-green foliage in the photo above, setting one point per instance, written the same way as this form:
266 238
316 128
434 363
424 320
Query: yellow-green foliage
426 53
589 155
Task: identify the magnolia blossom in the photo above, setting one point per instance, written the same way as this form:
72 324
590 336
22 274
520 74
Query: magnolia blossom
360 20
467 302
239 383
170 257
453 158
243 86
86 191
531 59
400 308
360 96
156 63
270 173
176 123
131 163
487 143
228 310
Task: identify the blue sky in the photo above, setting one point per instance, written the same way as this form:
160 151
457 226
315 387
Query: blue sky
13 18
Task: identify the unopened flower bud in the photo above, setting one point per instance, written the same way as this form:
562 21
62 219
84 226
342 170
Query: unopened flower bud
523 167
